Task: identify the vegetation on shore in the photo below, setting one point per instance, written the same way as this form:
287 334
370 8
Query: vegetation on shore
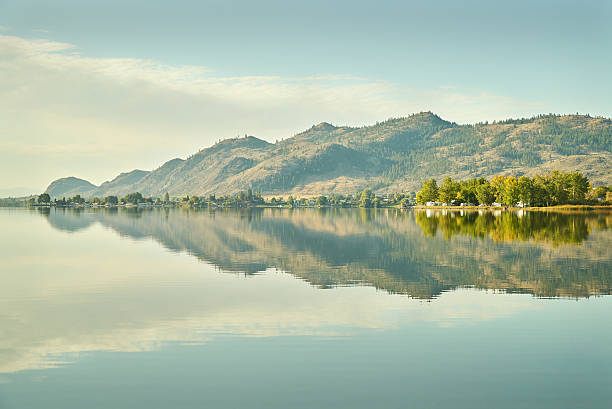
552 189
365 199
545 190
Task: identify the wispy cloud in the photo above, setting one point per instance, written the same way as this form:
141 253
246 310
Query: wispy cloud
62 102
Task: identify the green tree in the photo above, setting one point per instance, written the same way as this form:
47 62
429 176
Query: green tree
366 199
540 194
525 189
78 199
485 194
467 194
111 200
510 191
578 186
467 190
166 198
428 193
498 183
136 198
448 190
44 198
558 187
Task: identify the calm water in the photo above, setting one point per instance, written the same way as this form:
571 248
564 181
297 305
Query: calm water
304 309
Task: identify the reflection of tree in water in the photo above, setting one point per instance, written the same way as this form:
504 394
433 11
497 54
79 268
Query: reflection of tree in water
385 249
553 228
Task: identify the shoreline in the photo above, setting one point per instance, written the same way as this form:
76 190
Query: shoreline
513 208
415 207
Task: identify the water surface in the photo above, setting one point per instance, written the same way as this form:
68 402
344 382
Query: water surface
267 308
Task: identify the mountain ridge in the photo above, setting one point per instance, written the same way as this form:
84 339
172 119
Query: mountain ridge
393 155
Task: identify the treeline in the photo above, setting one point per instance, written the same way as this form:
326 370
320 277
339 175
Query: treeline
365 199
554 188
247 198
13 202
132 198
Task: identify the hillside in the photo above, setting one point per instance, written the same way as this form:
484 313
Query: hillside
70 186
395 155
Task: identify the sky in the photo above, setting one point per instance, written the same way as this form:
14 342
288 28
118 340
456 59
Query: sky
91 89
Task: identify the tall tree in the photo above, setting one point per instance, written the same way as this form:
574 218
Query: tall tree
44 198
111 200
578 185
136 197
498 183
448 190
558 187
510 194
428 193
366 199
525 189
485 193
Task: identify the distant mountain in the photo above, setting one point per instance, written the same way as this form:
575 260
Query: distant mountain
395 155
68 187
119 182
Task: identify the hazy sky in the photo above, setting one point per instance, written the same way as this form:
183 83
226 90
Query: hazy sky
93 88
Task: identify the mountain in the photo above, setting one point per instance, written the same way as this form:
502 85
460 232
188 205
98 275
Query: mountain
120 182
395 155
70 186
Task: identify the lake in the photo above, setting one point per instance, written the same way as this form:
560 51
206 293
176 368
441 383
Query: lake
308 308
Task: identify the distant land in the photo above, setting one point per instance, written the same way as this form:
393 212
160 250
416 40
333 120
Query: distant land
395 155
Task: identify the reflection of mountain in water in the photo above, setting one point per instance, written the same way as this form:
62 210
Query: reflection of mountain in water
69 221
400 252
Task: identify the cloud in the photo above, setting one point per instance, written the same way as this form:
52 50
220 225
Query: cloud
63 106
